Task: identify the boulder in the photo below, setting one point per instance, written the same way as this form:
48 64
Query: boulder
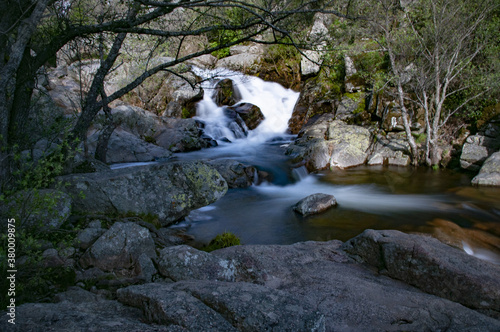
226 93
250 114
124 147
167 190
318 96
162 304
243 62
223 306
476 150
236 174
431 266
489 174
136 120
326 143
80 313
314 204
86 237
318 35
186 263
119 247
252 48
390 151
182 135
350 106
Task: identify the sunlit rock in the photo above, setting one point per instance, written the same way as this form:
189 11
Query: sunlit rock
489 174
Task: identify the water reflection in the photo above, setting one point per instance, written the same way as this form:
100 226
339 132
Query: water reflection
440 203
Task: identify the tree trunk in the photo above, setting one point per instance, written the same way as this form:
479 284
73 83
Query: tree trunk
102 143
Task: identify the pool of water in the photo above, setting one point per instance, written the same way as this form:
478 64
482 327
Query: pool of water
441 203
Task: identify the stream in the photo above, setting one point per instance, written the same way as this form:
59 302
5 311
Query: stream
420 200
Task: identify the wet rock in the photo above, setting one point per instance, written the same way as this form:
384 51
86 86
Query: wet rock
250 114
314 204
226 93
489 174
326 144
431 266
316 97
236 174
475 241
187 263
168 191
119 248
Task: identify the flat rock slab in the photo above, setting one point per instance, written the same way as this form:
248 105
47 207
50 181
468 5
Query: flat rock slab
314 204
378 281
169 190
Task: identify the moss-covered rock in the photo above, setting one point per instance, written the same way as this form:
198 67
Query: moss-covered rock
169 191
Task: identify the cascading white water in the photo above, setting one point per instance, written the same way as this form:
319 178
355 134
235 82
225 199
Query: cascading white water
275 102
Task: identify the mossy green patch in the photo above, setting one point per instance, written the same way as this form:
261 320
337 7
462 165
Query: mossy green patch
224 240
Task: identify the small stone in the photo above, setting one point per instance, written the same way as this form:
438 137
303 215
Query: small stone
314 204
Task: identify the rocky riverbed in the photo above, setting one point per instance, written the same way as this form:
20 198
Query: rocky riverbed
378 281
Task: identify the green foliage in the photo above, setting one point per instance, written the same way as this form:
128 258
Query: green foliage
149 139
31 208
420 138
224 240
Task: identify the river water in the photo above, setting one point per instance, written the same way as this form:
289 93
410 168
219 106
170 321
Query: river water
420 200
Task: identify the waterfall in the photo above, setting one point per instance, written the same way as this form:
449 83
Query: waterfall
275 102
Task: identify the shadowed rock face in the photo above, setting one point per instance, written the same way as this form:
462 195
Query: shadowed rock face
169 191
378 281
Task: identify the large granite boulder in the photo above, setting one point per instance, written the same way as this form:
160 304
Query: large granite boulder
476 150
167 190
431 266
249 113
124 147
119 247
390 151
328 143
223 306
236 174
82 311
489 174
318 96
182 135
